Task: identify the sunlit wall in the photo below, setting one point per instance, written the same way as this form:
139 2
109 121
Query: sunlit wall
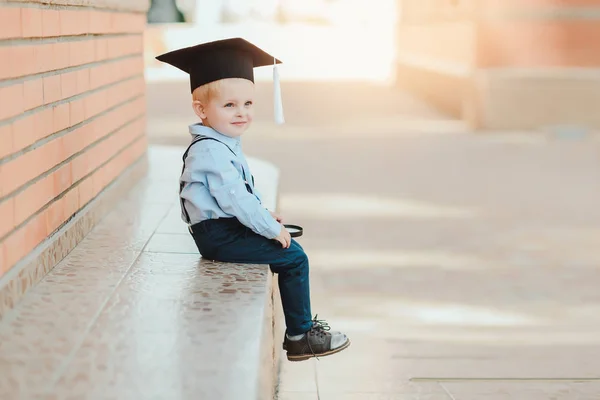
503 64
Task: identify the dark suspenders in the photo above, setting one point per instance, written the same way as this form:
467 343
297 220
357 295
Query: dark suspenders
181 184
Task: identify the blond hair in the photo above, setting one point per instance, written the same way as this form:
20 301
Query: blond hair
204 93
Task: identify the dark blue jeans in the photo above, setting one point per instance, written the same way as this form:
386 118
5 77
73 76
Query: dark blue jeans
227 240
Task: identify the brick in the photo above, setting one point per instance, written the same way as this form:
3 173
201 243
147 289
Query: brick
6 64
76 112
44 123
100 22
95 104
105 123
6 140
115 70
7 216
24 60
74 22
32 199
80 167
124 23
11 101
61 55
89 51
86 133
52 154
73 142
43 57
85 21
52 89
96 77
133 22
35 232
83 80
33 93
10 23
50 23
121 46
24 133
16 245
46 57
75 53
82 52
63 179
31 21
28 130
54 215
86 191
100 76
61 117
92 132
15 173
68 83
71 203
101 49
28 166
89 105
96 155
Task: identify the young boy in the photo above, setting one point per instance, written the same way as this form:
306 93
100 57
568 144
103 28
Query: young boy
218 198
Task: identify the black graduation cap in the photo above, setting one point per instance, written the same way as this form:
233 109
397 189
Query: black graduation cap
229 58
221 59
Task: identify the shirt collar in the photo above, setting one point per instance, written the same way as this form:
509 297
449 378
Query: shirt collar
199 129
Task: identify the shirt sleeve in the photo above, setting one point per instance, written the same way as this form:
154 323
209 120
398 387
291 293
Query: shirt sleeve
257 194
227 186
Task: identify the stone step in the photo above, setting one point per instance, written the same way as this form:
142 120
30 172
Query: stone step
134 312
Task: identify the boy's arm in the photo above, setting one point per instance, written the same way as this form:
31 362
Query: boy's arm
228 188
257 194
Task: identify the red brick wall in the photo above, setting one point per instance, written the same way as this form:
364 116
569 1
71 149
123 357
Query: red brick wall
71 113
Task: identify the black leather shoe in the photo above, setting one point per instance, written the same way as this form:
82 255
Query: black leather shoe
317 342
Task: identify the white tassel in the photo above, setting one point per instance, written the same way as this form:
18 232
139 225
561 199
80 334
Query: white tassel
279 119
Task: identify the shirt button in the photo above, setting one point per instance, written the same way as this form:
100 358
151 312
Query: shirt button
232 191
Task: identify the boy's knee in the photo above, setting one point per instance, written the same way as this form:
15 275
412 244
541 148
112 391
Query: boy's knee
303 257
299 256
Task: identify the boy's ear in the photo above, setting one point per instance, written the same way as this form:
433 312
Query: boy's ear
199 109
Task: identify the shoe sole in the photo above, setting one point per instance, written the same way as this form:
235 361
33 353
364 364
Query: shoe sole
304 357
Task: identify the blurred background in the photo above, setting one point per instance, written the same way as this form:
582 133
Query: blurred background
490 65
443 156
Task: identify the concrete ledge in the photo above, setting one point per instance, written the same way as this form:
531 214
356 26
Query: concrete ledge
535 99
441 88
134 312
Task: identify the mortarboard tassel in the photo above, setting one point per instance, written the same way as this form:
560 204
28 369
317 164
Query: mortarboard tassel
279 119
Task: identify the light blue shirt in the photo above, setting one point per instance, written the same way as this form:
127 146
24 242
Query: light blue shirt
214 187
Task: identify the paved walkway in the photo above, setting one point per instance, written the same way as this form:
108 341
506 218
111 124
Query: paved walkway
463 266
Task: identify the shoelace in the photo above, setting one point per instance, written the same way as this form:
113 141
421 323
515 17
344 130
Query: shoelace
319 327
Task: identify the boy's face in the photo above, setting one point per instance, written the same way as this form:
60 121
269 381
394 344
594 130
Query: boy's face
230 111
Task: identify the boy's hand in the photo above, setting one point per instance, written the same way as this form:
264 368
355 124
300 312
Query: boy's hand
284 238
277 217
